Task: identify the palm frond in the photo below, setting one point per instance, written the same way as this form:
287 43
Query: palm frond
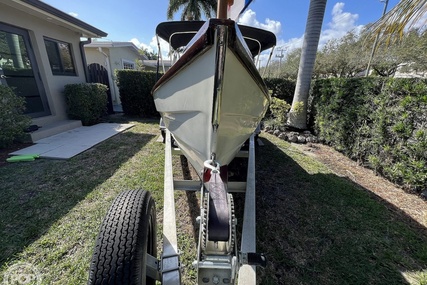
405 15
192 9
174 6
209 8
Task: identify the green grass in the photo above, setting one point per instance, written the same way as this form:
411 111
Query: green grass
328 230
313 226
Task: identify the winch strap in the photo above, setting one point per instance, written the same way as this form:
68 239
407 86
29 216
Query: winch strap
218 223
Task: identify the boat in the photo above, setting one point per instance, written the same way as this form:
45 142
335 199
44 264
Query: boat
212 98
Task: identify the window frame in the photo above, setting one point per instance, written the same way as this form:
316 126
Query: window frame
128 62
59 56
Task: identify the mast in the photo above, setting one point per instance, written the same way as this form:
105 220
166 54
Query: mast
222 9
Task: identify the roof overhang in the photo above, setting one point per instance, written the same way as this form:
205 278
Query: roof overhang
111 44
50 14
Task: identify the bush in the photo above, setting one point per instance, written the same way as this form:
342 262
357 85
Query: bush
278 110
379 122
281 88
135 92
12 121
86 102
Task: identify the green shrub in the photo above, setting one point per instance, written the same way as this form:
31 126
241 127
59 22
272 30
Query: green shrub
281 88
382 123
86 102
278 113
135 92
12 121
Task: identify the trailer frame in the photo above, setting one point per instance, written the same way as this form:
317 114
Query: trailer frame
169 269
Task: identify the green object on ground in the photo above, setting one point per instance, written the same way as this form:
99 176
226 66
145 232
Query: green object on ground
25 157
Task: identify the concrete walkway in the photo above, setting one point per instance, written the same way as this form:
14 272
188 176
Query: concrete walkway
70 143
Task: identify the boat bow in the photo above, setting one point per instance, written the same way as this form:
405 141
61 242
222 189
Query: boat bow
213 97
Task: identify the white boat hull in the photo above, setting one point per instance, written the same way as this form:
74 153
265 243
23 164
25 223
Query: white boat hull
210 119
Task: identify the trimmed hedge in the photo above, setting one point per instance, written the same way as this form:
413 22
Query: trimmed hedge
12 121
281 88
86 102
135 92
382 123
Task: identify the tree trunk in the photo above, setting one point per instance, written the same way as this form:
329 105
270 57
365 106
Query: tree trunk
298 114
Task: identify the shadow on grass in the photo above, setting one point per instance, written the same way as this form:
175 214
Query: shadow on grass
324 229
33 196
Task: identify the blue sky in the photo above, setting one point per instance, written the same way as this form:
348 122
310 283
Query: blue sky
136 20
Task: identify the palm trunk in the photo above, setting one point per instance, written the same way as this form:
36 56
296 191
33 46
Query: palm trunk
297 117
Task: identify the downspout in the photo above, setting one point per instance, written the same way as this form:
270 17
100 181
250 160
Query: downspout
83 54
110 80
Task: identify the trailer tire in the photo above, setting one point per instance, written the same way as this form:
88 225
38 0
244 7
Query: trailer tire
127 235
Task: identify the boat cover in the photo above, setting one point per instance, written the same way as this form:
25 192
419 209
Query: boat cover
180 33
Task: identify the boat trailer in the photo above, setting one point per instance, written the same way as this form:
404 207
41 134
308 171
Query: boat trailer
211 99
126 248
218 261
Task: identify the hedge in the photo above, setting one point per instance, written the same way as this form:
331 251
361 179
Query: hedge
12 120
135 92
281 88
382 123
86 102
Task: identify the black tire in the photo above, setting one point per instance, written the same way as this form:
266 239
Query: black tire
127 234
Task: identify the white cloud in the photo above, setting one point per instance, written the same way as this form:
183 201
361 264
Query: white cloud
341 23
75 15
248 18
152 46
140 45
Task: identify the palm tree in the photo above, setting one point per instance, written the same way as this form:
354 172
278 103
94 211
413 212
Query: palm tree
405 14
298 113
192 9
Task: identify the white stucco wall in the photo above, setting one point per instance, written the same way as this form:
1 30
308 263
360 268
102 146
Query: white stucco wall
116 56
53 84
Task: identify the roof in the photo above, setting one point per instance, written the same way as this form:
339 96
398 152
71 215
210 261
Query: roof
111 44
153 62
46 12
180 33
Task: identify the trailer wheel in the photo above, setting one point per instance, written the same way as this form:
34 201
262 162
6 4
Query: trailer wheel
127 235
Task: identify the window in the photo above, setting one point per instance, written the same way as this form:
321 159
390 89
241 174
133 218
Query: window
128 65
60 57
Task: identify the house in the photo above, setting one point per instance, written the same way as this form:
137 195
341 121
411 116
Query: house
41 50
151 65
112 56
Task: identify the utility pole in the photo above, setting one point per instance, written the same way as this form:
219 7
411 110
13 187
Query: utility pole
281 49
374 47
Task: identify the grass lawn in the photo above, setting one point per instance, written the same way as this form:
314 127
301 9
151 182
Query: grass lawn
313 226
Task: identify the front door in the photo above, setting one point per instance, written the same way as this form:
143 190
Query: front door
18 70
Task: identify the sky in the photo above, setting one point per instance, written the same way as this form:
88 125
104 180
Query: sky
136 20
